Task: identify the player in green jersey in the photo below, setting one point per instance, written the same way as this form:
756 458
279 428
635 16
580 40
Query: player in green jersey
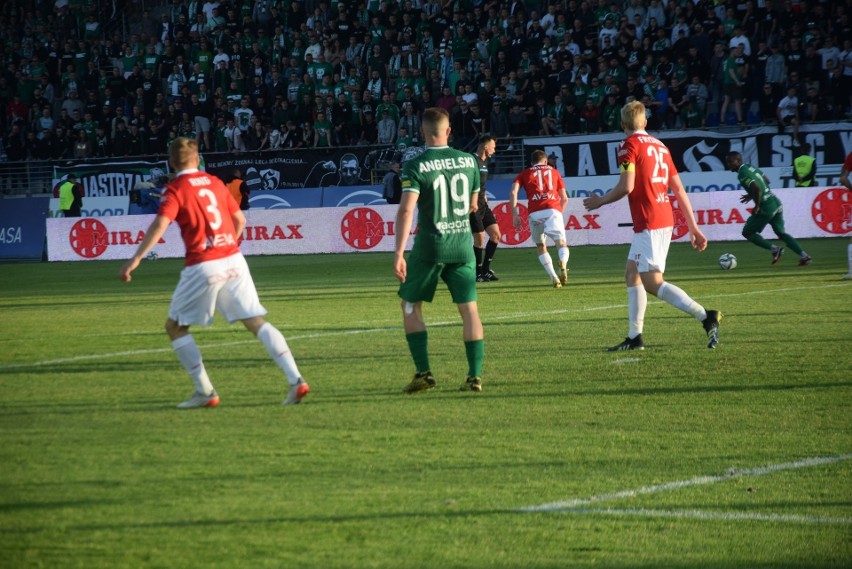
767 210
443 184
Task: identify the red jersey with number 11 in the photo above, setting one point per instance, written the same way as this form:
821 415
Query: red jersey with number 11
652 163
542 183
202 207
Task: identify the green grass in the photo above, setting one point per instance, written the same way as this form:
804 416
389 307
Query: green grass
100 470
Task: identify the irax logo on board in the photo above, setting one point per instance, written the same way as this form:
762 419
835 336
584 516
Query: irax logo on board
363 228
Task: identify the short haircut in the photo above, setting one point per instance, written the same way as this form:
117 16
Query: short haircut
633 115
432 120
539 156
183 153
485 139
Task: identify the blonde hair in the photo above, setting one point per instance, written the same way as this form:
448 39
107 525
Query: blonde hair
633 116
434 121
538 156
183 153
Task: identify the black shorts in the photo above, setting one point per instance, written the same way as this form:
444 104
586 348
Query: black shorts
480 219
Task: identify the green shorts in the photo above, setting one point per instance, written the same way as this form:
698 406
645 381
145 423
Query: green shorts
421 280
771 213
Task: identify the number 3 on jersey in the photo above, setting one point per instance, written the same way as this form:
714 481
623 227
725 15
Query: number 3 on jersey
459 193
215 217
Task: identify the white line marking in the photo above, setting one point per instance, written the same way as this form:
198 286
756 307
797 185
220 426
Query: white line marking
698 481
703 515
125 353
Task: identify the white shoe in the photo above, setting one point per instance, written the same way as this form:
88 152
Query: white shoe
297 392
846 277
197 400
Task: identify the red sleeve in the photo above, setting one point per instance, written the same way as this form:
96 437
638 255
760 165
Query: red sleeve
847 164
169 203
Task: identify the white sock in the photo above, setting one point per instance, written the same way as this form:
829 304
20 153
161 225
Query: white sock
563 256
277 347
849 257
547 263
190 357
680 300
637 302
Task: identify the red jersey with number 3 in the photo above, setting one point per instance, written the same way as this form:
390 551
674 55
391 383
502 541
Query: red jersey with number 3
542 183
652 163
202 207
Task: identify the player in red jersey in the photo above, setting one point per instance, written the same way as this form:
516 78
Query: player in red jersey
215 275
647 174
546 200
844 180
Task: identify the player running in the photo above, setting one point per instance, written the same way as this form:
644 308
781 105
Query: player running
546 200
482 220
767 210
215 275
647 173
442 183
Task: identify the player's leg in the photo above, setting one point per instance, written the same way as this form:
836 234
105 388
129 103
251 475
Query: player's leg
777 224
194 302
419 287
238 300
538 228
637 303
555 229
460 282
493 231
751 231
478 231
848 275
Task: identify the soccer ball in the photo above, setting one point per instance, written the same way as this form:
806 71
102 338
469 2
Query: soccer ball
153 256
728 261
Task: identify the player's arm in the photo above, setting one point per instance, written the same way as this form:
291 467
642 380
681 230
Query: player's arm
404 219
477 188
844 178
623 187
563 195
752 194
152 237
239 220
513 203
699 241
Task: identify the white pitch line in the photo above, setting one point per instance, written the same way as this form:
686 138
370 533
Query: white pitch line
704 515
697 481
511 316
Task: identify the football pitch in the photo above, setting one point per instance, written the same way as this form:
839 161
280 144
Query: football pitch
675 457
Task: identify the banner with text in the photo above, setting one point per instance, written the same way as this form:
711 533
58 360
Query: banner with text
108 179
695 151
808 212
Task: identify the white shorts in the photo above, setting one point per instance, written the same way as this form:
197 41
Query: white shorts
202 124
547 223
650 249
223 284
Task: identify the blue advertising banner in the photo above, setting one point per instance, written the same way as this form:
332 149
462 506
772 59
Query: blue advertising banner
23 228
344 196
284 199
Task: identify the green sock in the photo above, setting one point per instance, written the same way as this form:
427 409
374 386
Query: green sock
418 345
758 240
475 350
791 243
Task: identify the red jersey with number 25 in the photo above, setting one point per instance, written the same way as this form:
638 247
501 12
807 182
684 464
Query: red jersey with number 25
542 183
202 207
651 161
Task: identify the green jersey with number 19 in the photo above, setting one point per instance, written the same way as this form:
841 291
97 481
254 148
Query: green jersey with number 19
446 180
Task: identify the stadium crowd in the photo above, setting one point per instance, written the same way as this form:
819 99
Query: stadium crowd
97 78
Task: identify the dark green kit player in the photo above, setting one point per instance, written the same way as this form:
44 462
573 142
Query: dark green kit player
767 210
442 183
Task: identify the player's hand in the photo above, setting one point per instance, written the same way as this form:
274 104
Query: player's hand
400 268
129 266
516 220
699 241
745 198
592 203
